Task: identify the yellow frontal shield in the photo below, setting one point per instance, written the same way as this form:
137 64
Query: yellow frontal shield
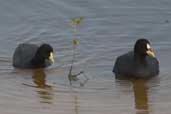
51 58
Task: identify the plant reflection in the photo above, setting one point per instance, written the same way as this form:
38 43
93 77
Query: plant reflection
76 105
44 91
76 101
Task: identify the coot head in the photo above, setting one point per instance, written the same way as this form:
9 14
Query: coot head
143 48
44 53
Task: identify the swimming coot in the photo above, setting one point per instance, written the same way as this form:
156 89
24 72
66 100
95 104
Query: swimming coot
33 56
140 63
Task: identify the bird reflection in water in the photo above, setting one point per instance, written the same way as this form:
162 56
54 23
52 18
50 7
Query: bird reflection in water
140 89
44 91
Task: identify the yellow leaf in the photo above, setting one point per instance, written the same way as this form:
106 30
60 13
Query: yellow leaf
76 21
75 41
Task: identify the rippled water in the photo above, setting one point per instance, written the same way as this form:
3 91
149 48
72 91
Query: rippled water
109 29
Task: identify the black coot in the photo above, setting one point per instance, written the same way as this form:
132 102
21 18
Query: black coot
140 63
33 56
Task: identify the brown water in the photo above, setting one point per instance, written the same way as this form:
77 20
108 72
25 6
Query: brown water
109 29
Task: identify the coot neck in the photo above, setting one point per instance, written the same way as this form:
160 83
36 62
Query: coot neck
140 59
38 61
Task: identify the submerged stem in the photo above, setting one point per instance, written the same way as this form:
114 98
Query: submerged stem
70 75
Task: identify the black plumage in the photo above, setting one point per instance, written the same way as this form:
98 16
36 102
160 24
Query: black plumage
140 63
33 56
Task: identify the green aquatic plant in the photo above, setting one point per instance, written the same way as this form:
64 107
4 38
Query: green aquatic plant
71 76
74 22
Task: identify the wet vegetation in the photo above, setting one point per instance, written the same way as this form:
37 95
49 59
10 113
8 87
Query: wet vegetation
75 22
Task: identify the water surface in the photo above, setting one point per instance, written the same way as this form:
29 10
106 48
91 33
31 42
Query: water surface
109 29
